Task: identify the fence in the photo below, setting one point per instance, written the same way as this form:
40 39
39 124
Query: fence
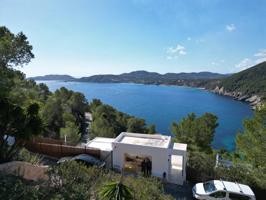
47 140
55 148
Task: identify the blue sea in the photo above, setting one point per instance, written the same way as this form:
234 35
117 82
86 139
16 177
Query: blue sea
161 105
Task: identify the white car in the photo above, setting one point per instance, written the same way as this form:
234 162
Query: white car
222 190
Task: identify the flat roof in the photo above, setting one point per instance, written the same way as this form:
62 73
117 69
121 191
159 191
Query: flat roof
102 143
180 146
155 140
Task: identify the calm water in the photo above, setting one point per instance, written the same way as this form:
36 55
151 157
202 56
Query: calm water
161 105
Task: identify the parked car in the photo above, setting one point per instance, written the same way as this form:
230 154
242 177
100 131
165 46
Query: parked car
84 159
222 190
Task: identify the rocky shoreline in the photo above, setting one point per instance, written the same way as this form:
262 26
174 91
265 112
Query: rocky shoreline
253 100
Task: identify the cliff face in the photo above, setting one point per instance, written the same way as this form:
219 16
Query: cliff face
254 100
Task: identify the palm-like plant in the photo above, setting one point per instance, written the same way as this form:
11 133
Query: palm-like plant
116 191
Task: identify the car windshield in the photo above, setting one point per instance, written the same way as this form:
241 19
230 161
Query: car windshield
209 186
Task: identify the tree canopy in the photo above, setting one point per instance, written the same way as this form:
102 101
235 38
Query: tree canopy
251 146
108 122
17 124
197 131
15 50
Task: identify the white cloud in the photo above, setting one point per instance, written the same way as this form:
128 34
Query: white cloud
261 53
244 64
175 52
258 57
230 27
261 56
260 60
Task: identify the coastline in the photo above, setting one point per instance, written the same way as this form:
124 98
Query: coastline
253 100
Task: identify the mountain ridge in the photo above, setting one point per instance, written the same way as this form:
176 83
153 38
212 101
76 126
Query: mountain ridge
134 76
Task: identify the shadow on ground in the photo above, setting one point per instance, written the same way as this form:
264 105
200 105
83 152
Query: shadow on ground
180 192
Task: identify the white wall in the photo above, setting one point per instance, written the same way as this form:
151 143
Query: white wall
160 157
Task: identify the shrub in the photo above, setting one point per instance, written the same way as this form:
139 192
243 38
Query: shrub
25 155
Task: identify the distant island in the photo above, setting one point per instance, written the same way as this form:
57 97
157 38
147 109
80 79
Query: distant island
51 77
248 85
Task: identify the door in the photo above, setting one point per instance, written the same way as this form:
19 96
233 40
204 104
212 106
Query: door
176 170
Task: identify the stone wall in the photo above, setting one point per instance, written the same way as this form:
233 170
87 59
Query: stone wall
26 170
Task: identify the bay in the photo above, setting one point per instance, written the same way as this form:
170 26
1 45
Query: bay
161 105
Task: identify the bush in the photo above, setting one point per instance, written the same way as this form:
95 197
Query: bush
71 180
200 166
146 188
25 155
13 187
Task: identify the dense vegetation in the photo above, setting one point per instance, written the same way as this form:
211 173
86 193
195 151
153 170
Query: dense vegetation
108 122
61 113
198 131
22 120
64 114
251 147
74 181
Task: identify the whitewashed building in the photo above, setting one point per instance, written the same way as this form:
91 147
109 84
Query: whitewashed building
127 151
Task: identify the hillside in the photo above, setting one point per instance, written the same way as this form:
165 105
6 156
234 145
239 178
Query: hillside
53 77
248 85
136 77
150 77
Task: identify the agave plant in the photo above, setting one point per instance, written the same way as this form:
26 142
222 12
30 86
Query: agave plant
116 191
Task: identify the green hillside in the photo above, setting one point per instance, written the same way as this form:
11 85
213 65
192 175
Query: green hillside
251 81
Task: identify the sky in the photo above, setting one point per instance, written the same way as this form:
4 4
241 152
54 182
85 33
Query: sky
85 37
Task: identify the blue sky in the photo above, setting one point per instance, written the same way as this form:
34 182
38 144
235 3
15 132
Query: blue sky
85 37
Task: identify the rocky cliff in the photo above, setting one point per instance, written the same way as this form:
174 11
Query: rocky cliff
254 100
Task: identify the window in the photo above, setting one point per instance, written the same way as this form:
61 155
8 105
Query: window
209 186
234 196
218 194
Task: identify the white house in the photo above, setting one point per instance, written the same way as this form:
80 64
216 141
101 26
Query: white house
128 151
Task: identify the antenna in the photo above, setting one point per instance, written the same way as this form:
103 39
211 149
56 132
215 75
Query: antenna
223 184
239 187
